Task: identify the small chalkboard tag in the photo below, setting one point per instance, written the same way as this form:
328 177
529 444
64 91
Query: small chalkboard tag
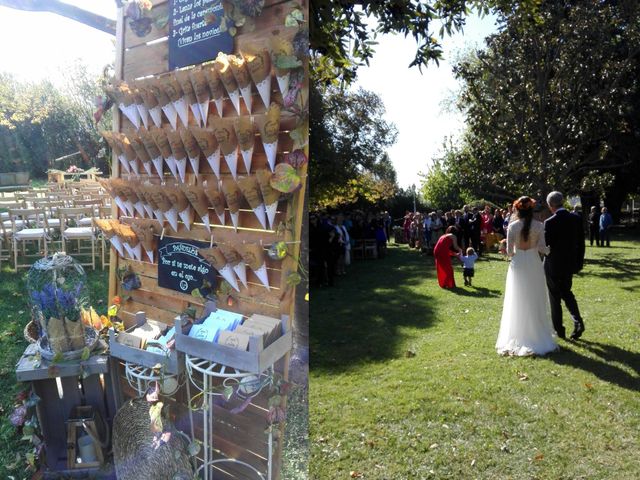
180 268
194 32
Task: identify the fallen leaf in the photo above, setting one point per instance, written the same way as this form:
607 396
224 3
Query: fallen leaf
432 446
538 457
588 385
523 376
409 354
473 462
355 474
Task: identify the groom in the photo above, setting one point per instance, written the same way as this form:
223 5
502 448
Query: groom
565 237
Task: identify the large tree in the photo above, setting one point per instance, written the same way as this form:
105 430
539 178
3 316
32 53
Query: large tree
551 102
343 33
349 139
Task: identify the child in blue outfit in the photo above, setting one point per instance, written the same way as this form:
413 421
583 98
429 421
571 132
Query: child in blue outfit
468 263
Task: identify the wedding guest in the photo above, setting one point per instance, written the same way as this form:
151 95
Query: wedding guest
457 222
381 239
388 224
406 225
468 263
436 228
486 223
594 226
498 223
466 227
427 230
446 247
474 224
605 225
344 255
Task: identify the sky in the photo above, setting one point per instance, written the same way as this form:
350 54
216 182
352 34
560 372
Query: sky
38 45
415 102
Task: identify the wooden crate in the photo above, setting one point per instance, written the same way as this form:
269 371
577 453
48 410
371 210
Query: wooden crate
60 389
144 358
255 360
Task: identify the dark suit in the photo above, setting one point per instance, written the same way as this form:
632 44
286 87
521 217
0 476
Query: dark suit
564 235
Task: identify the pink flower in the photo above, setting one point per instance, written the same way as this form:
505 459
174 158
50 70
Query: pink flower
18 416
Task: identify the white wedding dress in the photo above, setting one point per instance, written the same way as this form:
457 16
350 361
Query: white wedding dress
526 328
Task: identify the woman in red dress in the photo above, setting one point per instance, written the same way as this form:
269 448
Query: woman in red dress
446 248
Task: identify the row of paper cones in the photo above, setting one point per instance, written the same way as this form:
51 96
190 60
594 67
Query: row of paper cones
173 202
175 93
131 238
229 261
174 147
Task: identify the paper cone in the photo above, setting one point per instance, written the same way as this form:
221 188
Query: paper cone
117 243
232 161
271 150
259 212
137 252
181 166
195 109
246 157
186 216
246 96
183 111
171 114
129 250
207 224
125 163
216 198
269 194
120 204
195 165
229 276
157 162
130 208
264 89
262 275
172 217
134 167
144 114
148 209
148 168
131 112
271 213
235 99
283 83
214 162
159 215
204 112
156 116
219 104
172 166
139 206
149 254
241 271
234 220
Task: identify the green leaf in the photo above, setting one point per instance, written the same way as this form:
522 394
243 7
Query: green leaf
194 448
287 61
233 31
294 279
155 412
286 178
196 293
300 136
57 358
227 393
86 353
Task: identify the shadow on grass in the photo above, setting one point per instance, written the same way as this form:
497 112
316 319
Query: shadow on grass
601 367
358 320
624 269
479 292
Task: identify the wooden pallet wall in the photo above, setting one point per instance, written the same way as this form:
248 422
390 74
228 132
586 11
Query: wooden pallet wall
236 435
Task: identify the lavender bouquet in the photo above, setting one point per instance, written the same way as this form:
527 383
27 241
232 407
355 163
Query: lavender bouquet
57 290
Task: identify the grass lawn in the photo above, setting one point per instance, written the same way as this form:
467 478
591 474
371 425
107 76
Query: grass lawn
405 382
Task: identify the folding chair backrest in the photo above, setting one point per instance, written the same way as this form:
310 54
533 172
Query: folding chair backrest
33 217
50 206
105 212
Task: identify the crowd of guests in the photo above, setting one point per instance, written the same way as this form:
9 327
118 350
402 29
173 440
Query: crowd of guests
600 222
475 228
333 236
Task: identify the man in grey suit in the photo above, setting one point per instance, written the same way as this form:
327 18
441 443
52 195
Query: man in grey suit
564 235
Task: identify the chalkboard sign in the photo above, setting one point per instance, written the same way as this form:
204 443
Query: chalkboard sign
194 32
180 267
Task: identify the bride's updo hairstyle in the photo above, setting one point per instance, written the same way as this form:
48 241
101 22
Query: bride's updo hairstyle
524 207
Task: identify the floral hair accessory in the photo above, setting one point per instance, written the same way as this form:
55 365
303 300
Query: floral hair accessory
524 203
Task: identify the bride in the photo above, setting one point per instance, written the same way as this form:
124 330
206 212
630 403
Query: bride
525 328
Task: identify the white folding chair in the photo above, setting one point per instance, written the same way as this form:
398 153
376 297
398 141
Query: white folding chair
29 225
78 232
